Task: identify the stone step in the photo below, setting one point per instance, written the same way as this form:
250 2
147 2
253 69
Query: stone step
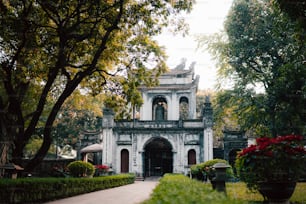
139 178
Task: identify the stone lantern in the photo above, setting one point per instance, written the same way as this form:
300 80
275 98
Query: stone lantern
220 176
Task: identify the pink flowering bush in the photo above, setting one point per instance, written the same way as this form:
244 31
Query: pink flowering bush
271 159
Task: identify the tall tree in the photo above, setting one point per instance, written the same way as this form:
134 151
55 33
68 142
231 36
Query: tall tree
295 9
263 48
50 48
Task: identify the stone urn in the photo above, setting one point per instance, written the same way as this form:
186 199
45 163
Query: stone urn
277 192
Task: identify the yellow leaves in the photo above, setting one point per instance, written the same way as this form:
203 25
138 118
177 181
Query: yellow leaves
79 101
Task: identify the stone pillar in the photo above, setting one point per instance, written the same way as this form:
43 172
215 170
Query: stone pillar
138 169
192 104
108 138
134 149
208 132
175 105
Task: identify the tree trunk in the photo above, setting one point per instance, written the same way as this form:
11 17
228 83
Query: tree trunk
5 142
5 145
4 149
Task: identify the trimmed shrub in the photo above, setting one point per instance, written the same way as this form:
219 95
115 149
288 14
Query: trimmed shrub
81 169
197 171
202 170
179 189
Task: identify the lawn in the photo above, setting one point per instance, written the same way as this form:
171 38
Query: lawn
239 191
181 190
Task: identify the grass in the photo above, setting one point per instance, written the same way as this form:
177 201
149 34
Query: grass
179 189
299 194
239 191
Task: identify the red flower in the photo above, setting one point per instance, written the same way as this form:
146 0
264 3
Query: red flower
283 153
264 146
251 148
102 167
290 138
262 140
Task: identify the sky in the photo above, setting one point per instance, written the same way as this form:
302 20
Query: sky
207 17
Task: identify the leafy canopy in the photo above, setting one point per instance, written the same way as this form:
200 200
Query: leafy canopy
50 48
262 55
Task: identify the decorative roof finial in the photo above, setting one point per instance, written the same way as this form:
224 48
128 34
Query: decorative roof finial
182 65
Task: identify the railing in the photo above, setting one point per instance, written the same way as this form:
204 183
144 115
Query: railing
160 124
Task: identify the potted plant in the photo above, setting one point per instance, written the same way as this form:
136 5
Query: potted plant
277 162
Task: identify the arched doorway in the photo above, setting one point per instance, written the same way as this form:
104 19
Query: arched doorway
124 161
184 108
232 158
158 157
159 108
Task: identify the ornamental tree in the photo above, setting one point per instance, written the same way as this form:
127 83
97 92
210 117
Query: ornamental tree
50 48
262 49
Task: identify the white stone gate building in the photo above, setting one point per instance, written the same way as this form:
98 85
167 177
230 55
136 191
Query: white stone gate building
168 136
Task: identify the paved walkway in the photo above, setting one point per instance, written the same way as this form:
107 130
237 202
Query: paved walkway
129 194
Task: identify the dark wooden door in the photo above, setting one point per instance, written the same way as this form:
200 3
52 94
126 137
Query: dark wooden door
124 161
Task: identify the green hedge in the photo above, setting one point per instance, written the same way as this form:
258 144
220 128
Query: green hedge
33 190
179 189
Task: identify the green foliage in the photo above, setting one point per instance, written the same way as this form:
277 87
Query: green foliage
33 146
296 10
49 49
262 54
206 168
235 110
81 169
79 112
181 190
39 190
118 104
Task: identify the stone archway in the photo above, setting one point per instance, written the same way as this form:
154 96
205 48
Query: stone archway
158 157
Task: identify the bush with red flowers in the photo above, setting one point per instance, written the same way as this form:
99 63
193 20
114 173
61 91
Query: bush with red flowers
101 169
271 159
